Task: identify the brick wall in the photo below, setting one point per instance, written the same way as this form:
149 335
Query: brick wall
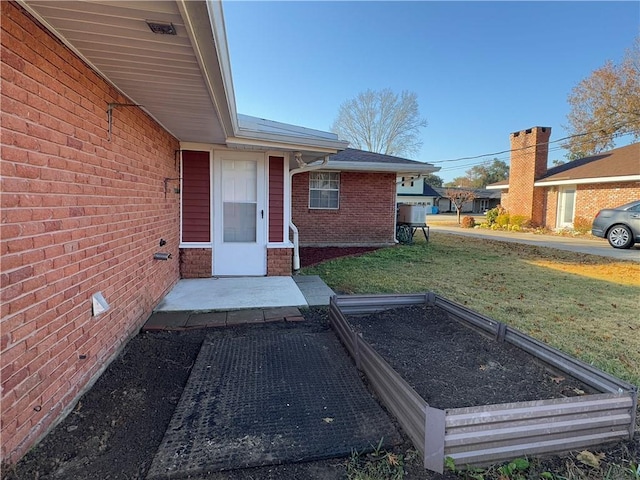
552 207
80 214
590 198
195 262
279 261
529 152
366 215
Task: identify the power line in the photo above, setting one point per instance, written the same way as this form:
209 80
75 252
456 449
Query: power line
532 146
500 155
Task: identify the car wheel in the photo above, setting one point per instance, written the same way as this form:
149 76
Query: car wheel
620 236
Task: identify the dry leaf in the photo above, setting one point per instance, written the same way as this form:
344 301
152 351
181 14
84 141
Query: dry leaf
483 367
557 379
578 391
392 459
591 459
327 419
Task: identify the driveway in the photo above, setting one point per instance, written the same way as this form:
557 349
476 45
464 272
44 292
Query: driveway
590 246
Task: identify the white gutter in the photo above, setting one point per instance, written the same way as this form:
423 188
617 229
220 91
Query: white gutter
303 168
410 169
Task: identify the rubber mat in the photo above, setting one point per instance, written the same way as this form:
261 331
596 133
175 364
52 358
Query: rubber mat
269 397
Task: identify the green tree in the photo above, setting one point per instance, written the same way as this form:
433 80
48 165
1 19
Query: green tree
381 122
604 105
482 175
459 182
433 180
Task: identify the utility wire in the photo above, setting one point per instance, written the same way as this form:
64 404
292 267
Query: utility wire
530 146
505 158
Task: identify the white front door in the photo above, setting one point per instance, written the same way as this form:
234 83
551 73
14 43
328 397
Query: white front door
239 216
566 207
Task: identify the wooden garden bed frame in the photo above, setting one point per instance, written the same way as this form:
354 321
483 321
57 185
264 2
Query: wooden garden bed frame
488 434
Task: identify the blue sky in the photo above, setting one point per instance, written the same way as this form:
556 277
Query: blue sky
481 70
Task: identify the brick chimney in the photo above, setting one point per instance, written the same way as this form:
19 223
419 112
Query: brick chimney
529 155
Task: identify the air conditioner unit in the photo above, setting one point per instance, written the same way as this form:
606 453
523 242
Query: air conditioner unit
412 214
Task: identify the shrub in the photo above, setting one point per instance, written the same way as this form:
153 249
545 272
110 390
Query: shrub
493 214
502 220
519 221
581 225
468 222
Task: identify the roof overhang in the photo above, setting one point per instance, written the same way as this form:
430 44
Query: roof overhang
583 181
182 79
254 132
406 169
497 187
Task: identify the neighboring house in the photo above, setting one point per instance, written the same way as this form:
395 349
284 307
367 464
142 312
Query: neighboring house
351 201
555 197
484 199
120 141
417 192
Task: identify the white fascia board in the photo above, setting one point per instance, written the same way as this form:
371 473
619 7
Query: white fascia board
583 181
410 169
497 187
204 23
270 142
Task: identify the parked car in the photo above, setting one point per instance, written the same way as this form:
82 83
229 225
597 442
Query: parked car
620 225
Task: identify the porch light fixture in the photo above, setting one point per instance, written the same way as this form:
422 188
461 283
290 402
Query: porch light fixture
162 28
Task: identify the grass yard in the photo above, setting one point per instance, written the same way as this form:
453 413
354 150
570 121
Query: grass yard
585 305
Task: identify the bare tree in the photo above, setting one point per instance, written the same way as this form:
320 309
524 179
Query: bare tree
381 122
459 197
605 105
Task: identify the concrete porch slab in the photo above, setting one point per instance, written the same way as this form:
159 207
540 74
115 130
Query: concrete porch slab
237 293
315 291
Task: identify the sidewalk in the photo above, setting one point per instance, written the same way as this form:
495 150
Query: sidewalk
573 244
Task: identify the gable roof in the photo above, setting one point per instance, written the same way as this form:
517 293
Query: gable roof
352 159
619 164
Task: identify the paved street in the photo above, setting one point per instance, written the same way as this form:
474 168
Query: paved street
591 246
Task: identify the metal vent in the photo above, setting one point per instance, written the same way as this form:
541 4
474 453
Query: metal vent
162 28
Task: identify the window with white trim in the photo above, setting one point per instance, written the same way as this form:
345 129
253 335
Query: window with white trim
324 190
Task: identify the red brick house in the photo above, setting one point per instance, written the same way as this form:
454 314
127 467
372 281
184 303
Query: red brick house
359 203
556 197
125 164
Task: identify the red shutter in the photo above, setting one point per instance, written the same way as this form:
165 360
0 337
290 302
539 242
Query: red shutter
196 197
276 199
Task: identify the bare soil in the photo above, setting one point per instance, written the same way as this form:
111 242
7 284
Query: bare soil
314 255
115 429
453 366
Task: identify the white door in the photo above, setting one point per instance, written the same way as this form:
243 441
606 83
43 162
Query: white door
239 216
566 207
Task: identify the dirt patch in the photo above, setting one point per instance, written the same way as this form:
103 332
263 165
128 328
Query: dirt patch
116 428
314 255
452 366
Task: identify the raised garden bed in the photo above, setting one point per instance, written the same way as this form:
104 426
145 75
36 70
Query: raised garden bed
510 395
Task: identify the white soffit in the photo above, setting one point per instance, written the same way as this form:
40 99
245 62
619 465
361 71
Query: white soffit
178 79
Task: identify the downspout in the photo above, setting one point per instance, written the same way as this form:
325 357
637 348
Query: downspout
304 167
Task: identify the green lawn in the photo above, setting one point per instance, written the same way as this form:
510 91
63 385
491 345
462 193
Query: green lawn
585 305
